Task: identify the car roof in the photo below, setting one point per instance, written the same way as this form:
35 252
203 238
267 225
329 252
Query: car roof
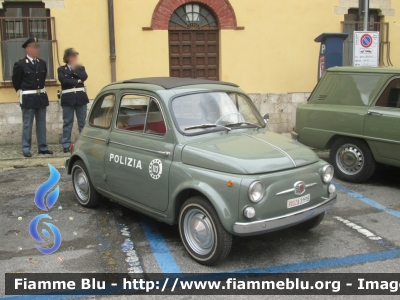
384 70
168 83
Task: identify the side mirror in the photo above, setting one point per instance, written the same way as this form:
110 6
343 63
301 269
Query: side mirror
266 118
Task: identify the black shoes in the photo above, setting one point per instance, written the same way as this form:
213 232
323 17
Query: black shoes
66 150
27 154
46 152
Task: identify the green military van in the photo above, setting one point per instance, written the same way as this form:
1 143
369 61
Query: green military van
354 112
197 153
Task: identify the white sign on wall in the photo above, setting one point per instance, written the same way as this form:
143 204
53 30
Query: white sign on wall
366 48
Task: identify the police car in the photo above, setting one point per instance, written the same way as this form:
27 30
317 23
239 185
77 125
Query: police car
197 153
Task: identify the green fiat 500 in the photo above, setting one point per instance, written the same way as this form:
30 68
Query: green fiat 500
197 153
354 112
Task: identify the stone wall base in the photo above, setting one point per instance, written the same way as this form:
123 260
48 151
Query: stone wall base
281 109
11 124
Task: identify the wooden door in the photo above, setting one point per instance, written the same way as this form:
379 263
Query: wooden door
194 54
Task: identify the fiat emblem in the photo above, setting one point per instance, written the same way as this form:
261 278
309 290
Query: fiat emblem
299 188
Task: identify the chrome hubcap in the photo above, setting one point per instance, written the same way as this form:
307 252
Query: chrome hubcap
81 185
350 159
198 232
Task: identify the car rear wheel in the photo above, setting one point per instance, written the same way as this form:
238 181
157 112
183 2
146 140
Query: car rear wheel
352 159
311 223
83 187
202 233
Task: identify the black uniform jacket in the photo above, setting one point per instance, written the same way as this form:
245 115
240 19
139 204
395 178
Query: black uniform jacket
27 76
69 80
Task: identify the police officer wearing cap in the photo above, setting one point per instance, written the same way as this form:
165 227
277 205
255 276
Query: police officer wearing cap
29 75
73 95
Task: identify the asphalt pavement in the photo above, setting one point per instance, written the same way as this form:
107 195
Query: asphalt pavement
359 234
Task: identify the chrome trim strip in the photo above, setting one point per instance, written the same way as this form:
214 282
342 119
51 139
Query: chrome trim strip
95 138
284 221
272 145
132 203
165 153
292 190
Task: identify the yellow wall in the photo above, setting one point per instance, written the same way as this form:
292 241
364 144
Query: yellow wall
276 52
139 53
394 33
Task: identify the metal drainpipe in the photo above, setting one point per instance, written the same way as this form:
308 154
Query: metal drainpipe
113 56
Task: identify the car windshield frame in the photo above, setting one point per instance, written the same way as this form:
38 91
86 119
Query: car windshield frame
256 112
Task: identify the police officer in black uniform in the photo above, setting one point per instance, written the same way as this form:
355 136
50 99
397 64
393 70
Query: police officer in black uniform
73 95
29 75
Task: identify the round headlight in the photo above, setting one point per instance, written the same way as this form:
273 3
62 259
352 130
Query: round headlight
249 212
256 191
327 173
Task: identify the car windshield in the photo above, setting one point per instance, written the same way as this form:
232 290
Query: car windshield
202 112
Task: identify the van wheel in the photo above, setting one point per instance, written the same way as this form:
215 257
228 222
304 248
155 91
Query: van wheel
310 224
202 233
84 191
352 159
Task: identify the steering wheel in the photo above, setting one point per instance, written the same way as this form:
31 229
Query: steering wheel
233 113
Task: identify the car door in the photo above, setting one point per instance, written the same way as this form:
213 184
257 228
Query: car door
382 123
138 156
95 135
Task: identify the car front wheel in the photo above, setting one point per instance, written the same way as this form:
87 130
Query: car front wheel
352 159
202 233
84 191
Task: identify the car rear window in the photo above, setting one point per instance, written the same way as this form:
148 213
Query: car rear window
349 89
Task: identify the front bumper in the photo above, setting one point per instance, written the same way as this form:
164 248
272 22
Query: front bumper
294 135
66 164
277 223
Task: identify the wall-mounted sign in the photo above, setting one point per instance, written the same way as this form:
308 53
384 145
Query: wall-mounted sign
366 48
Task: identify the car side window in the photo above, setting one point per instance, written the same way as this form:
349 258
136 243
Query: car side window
391 95
141 114
102 112
155 123
132 112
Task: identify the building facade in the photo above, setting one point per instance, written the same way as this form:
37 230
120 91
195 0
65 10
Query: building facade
267 47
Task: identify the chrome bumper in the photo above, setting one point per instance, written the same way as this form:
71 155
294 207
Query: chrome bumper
277 223
66 164
294 135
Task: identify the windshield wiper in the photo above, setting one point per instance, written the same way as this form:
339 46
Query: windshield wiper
242 123
204 126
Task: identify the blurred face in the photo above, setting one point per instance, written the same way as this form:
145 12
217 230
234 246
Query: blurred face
73 60
32 50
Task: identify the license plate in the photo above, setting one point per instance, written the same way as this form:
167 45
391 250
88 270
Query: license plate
298 201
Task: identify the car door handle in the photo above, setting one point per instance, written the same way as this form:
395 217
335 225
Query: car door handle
370 113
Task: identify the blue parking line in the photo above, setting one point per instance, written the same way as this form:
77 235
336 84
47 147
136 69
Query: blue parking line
367 200
160 249
325 263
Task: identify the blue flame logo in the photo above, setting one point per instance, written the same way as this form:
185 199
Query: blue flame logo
45 204
45 187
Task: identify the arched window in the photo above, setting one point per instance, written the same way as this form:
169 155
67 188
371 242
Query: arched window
193 16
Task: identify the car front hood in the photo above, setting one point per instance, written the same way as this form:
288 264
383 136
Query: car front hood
247 152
